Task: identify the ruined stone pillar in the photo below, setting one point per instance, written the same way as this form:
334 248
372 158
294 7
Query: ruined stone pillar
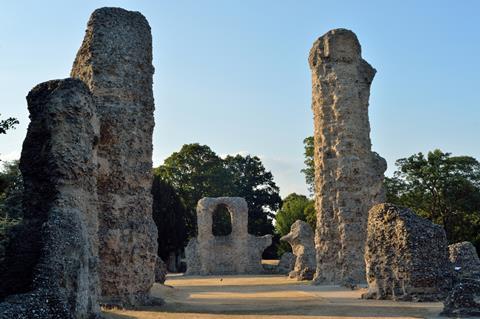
51 263
348 175
115 61
300 238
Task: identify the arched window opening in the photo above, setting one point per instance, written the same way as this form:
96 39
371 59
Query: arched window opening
222 221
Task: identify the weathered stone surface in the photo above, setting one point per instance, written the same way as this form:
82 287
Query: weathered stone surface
301 240
463 300
464 259
237 253
160 271
348 175
286 263
115 61
406 256
52 265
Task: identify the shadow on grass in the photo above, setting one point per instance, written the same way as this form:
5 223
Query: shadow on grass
302 309
109 315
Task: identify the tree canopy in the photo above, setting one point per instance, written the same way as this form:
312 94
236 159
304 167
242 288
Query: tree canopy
7 124
254 183
442 188
169 213
294 207
11 197
11 191
196 171
309 170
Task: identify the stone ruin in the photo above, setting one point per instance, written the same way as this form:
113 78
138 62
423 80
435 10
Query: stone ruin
406 256
463 300
51 267
115 61
303 247
160 271
286 263
464 259
87 169
237 253
348 175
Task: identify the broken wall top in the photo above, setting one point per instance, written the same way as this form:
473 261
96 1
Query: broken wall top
115 58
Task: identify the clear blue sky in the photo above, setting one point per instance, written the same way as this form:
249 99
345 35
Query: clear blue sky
234 74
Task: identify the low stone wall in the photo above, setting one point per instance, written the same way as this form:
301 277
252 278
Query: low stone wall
406 256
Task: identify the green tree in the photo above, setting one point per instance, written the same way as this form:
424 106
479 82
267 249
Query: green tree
309 170
254 183
7 124
311 214
294 207
169 214
195 172
11 191
222 222
442 188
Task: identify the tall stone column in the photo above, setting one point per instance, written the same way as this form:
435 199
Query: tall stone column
348 175
50 270
115 61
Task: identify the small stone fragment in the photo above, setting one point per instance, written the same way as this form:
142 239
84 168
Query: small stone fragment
303 247
463 300
286 263
464 259
406 256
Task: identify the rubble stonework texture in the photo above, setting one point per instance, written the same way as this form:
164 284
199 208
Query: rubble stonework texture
286 263
301 239
237 253
406 256
115 61
348 175
52 270
160 271
464 259
463 300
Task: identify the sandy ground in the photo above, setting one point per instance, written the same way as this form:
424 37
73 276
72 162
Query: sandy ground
267 297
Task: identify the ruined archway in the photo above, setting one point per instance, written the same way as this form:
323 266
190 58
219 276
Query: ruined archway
236 253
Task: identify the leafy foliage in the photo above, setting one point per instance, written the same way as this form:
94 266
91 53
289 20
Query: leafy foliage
309 169
252 182
222 225
295 207
7 225
169 213
7 124
442 188
196 171
11 191
11 213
